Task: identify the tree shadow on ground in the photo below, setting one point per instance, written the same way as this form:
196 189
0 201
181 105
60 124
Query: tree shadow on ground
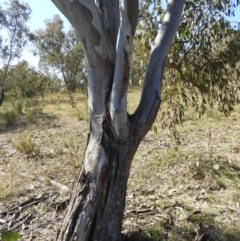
137 236
22 123
212 233
203 228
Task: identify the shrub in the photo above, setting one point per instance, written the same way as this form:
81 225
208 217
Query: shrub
10 117
18 106
33 109
27 146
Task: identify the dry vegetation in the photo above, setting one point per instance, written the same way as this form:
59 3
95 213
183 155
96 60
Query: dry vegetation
174 193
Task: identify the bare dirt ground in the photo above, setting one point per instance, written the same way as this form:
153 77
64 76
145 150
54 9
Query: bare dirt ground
186 192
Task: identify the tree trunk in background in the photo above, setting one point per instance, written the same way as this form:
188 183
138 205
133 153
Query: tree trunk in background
1 94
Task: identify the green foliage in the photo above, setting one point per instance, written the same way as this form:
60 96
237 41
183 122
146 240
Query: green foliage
8 235
24 81
33 109
34 113
14 35
10 117
27 146
203 60
203 65
18 106
81 115
62 52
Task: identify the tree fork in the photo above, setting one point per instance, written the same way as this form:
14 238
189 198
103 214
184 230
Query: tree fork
96 209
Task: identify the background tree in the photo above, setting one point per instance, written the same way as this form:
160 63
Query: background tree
202 63
14 36
24 81
61 52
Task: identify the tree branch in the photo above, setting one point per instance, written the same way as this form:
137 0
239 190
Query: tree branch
118 100
151 93
110 10
88 22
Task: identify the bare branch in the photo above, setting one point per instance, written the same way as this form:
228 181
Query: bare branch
118 101
151 93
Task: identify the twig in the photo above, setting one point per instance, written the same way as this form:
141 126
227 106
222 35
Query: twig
148 210
181 209
54 183
173 205
194 174
61 205
199 238
27 203
2 221
59 185
194 213
28 215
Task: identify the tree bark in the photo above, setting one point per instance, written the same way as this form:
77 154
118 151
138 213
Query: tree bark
96 209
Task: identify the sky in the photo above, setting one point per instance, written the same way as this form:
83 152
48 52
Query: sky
41 10
45 9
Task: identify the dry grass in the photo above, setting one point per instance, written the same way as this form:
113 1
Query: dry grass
172 189
202 175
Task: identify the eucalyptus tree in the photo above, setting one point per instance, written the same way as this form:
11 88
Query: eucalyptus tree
61 51
201 69
96 209
24 81
14 36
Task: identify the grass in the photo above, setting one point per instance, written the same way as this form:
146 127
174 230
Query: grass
183 187
14 110
26 145
9 117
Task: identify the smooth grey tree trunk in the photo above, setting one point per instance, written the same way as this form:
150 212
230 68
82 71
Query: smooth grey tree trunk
98 204
96 209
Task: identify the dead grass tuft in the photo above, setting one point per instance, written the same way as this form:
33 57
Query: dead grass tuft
26 145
